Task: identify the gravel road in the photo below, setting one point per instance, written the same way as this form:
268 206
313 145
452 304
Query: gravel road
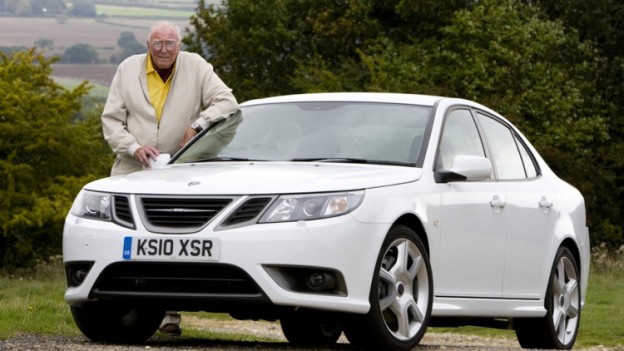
431 342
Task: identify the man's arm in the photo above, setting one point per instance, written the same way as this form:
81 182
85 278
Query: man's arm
114 121
218 98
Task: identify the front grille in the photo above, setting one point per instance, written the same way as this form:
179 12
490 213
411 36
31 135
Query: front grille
248 211
179 279
179 214
122 214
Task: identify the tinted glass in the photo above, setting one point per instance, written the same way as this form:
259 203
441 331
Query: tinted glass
460 137
505 154
529 165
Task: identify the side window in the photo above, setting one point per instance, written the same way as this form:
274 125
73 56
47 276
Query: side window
460 137
507 161
529 165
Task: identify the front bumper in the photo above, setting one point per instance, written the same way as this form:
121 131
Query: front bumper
264 253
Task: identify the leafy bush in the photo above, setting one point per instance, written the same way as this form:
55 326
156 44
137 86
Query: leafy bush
47 154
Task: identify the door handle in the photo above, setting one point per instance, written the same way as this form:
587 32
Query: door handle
496 203
545 204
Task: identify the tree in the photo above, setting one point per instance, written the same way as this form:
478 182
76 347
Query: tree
126 39
80 53
24 8
8 6
32 7
273 38
45 157
129 46
242 21
600 23
83 8
261 48
44 43
51 7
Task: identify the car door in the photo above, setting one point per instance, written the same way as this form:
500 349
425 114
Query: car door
529 213
472 225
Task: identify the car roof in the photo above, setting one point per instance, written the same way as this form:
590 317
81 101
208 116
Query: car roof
416 99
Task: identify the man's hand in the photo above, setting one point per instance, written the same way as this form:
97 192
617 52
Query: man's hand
145 153
189 134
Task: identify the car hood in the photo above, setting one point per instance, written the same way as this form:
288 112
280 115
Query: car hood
238 178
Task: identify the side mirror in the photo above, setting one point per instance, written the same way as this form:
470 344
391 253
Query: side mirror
465 168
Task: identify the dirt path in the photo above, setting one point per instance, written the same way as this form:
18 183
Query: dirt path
432 341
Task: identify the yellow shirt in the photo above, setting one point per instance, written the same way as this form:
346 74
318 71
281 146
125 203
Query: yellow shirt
158 90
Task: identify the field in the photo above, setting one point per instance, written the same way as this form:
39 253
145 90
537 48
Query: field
95 74
102 35
129 11
99 77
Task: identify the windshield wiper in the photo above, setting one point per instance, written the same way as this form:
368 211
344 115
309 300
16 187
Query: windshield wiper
351 160
220 158
331 159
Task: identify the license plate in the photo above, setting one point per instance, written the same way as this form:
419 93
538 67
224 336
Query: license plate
159 248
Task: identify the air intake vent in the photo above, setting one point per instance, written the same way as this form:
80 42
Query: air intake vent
176 280
248 211
179 214
122 214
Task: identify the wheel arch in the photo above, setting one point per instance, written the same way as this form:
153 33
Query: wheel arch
571 245
572 233
582 266
380 328
413 222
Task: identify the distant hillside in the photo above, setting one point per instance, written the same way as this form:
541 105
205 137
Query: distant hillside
102 35
97 74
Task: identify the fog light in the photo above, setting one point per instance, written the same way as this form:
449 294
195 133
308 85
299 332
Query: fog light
321 281
315 280
79 275
308 280
77 272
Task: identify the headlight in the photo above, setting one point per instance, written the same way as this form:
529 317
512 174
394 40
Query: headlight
92 205
290 208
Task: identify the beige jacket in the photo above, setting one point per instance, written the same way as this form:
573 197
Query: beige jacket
129 118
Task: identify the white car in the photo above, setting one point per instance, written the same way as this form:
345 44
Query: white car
372 214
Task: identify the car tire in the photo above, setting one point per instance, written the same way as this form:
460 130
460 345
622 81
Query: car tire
305 329
401 296
559 327
105 322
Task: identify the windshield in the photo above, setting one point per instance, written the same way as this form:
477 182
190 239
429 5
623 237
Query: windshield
315 131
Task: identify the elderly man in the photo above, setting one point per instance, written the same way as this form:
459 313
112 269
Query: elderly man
157 102
160 100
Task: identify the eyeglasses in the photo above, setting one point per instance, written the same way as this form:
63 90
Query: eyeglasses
169 44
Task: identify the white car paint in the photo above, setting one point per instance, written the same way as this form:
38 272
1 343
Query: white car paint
491 242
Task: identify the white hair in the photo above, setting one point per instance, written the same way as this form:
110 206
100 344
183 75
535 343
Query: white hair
161 24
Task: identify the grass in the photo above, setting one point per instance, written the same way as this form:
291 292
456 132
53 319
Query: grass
32 302
97 90
602 321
